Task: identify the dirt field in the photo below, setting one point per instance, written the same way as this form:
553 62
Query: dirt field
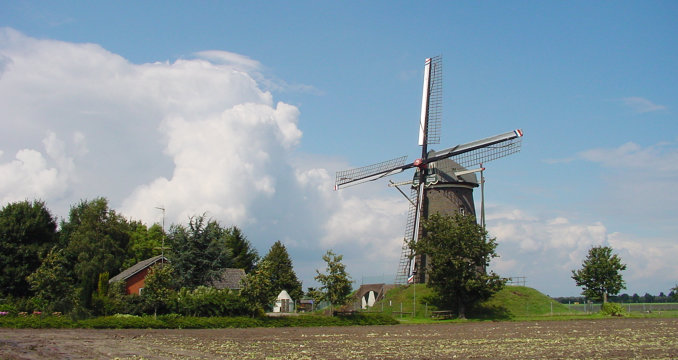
590 339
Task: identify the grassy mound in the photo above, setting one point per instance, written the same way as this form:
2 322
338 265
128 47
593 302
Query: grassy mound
517 301
509 303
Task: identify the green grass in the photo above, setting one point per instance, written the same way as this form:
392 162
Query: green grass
511 303
516 301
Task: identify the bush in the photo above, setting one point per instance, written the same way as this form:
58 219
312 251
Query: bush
612 309
208 301
175 321
36 322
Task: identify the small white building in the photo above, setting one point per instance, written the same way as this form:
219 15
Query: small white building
284 303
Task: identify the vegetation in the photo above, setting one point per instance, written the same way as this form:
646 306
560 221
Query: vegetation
600 274
612 309
336 284
282 273
198 252
244 255
257 288
27 232
159 286
458 252
173 321
66 270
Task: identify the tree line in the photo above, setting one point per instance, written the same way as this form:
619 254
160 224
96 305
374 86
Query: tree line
66 268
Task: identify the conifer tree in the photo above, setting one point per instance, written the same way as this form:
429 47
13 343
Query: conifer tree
282 275
244 255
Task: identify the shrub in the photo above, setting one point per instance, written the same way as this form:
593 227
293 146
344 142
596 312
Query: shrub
208 301
612 309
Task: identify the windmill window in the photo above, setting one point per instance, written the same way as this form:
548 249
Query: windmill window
462 210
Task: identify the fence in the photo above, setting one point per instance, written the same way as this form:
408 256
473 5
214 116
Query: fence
629 307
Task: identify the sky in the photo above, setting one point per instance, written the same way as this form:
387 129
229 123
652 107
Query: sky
244 111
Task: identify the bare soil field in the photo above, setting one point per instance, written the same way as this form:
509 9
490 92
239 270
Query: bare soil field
580 339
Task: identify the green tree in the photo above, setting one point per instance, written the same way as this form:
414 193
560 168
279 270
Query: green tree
198 252
27 232
316 295
144 243
159 286
458 252
600 274
674 293
244 255
283 277
336 283
257 287
52 283
96 240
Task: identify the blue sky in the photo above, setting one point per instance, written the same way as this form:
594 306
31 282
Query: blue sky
245 110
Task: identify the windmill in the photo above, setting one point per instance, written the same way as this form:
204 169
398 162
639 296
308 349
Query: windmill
442 180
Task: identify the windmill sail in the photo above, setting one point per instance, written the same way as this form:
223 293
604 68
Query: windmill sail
372 172
431 102
461 157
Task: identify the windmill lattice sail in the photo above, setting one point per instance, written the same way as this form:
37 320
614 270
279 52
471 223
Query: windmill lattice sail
431 167
368 173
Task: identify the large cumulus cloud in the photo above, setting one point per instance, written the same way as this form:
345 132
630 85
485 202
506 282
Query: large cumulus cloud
196 135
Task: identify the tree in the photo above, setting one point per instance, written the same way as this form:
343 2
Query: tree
144 243
96 240
316 295
27 232
52 283
244 256
283 276
600 274
336 283
159 286
257 288
198 252
458 252
674 293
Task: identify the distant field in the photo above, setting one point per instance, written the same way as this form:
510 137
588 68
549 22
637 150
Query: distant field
622 338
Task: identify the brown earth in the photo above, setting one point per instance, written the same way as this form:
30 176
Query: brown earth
580 339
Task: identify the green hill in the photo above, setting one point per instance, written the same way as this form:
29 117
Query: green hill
510 302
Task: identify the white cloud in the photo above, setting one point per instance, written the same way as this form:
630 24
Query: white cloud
642 105
31 175
225 57
545 250
194 136
639 182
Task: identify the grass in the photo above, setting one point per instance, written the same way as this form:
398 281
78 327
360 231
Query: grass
518 303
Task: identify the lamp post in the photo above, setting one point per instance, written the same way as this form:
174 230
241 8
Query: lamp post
414 297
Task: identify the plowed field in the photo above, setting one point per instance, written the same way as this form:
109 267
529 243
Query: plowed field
581 339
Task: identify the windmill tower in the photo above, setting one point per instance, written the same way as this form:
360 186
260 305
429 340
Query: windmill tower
443 181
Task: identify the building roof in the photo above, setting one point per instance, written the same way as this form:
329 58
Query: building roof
284 295
230 279
141 265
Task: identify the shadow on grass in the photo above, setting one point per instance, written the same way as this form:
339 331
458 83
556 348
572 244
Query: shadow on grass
490 312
